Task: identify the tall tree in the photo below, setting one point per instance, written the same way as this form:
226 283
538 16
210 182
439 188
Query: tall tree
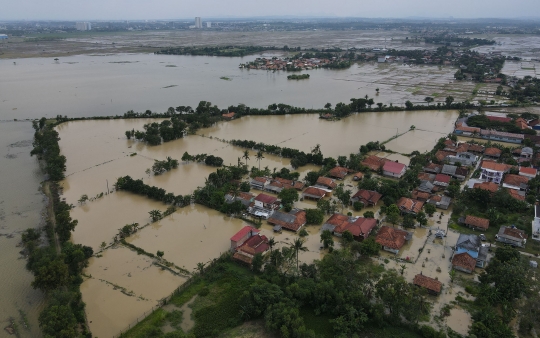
297 246
259 158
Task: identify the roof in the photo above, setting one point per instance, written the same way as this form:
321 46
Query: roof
501 134
475 148
293 220
499 119
408 204
515 180
469 242
254 245
515 194
359 174
512 233
228 115
267 199
337 220
261 180
464 260
526 150
339 172
326 182
360 227
441 154
373 162
426 177
394 167
416 194
493 152
243 232
314 192
391 238
478 222
368 195
490 165
442 178
489 186
432 167
428 283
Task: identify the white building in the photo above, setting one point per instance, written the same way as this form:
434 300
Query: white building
198 23
536 224
208 24
83 26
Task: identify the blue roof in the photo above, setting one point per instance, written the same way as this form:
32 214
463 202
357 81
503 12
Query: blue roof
473 254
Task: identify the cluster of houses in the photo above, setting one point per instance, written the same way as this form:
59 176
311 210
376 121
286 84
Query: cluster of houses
461 128
288 63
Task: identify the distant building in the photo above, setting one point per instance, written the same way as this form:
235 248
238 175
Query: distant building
536 223
83 26
198 23
208 24
3 37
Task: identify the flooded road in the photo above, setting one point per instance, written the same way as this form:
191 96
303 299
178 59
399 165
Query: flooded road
21 205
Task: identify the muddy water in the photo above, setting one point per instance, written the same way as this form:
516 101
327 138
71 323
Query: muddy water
343 137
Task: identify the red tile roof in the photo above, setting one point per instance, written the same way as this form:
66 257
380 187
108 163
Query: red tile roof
489 186
244 231
314 192
441 154
266 199
374 162
495 152
296 220
515 180
394 167
464 260
391 238
339 172
515 194
420 195
409 205
442 178
254 245
428 283
359 175
327 182
528 171
477 222
359 228
228 115
515 233
495 166
337 220
368 196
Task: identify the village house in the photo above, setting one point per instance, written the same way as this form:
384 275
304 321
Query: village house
433 168
392 239
368 197
426 186
432 286
536 223
476 223
526 154
493 171
373 162
252 243
244 197
459 173
521 123
338 173
336 220
359 228
501 136
512 236
517 194
243 235
313 193
489 186
472 245
420 195
466 131
442 180
409 206
494 153
463 262
440 201
358 176
466 159
293 220
259 183
277 184
528 172
228 116
264 206
394 169
325 183
426 177
516 182
441 155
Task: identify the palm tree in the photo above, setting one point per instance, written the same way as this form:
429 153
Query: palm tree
259 158
155 215
297 246
240 163
200 268
271 243
316 150
246 156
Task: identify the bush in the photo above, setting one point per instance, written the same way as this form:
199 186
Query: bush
357 206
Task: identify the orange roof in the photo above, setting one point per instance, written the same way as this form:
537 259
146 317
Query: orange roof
420 195
493 152
337 219
515 180
428 283
465 261
441 154
315 192
515 194
495 166
489 186
410 205
477 222
339 172
368 196
528 171
391 238
359 175
293 220
328 182
228 115
359 228
374 162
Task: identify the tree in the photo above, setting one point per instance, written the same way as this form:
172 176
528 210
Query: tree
200 267
421 218
344 196
259 157
357 205
452 274
327 239
369 247
155 215
297 246
83 199
314 216
311 177
160 254
271 243
408 221
369 214
392 214
409 105
50 273
288 196
449 100
347 236
58 318
428 99
328 106
246 156
430 209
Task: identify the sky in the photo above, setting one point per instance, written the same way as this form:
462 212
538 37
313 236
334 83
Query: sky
181 9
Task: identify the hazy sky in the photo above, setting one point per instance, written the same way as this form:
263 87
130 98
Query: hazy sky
175 9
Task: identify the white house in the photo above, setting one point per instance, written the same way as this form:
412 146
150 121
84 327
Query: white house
493 172
394 169
536 224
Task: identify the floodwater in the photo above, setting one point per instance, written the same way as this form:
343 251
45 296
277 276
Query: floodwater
21 207
103 85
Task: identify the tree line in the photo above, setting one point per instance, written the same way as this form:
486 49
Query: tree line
203 158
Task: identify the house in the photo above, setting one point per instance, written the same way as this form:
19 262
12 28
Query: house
536 223
426 177
499 119
313 193
244 197
420 195
325 183
489 186
426 186
433 168
528 172
336 220
459 173
442 180
501 136
228 116
466 131
259 183
512 235
441 202
360 228
392 239
477 223
475 148
493 152
465 158
493 171
441 155
264 206
373 162
277 184
358 176
517 194
463 262
521 123
368 197
409 206
243 235
394 169
516 182
526 153
338 172
256 244
432 286
472 245
293 220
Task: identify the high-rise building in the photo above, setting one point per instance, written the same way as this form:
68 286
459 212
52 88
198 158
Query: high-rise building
198 23
83 26
208 24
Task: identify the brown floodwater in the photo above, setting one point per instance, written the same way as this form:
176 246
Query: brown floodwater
21 207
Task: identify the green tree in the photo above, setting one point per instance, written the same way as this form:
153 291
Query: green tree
160 254
421 218
297 246
408 221
155 215
327 239
314 216
311 177
246 156
288 196
259 157
449 100
358 206
369 214
50 273
83 199
347 237
430 209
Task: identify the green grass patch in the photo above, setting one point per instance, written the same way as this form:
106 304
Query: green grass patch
226 78
320 324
